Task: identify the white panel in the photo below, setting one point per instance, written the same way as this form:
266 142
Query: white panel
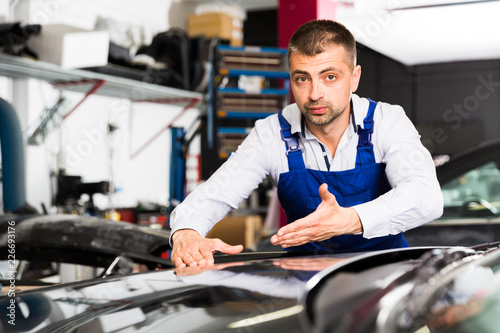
428 35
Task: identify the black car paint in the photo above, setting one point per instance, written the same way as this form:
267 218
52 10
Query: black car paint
239 295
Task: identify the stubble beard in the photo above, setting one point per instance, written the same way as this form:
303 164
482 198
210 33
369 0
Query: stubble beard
326 118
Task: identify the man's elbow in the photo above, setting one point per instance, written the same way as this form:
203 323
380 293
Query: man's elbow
435 205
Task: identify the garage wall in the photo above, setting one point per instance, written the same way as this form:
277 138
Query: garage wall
83 138
454 105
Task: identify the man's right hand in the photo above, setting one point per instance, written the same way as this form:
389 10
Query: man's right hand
190 249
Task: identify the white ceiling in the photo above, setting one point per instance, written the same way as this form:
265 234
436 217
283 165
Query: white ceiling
415 31
419 32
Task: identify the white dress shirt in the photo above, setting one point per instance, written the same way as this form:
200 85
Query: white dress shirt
415 197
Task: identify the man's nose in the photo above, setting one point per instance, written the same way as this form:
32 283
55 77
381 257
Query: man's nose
316 91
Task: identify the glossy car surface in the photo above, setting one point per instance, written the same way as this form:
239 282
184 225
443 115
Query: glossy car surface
445 290
457 291
257 292
402 290
470 183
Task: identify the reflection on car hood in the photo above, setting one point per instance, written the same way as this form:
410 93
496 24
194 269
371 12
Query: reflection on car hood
262 294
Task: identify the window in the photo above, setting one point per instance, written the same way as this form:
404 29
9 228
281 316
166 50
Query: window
475 193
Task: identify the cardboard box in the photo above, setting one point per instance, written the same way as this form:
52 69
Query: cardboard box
235 230
218 25
71 47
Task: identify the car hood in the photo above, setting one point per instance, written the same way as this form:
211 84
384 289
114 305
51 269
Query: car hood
238 293
260 293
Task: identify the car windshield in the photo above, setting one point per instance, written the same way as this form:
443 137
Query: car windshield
474 193
468 300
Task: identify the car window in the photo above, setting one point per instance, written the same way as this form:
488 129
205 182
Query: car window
474 193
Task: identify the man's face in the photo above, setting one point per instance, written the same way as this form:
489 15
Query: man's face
322 84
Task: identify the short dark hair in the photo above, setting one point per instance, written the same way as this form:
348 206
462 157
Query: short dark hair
316 36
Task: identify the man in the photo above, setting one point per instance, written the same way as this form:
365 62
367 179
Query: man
352 174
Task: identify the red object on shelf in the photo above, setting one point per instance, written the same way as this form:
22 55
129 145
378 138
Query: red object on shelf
127 214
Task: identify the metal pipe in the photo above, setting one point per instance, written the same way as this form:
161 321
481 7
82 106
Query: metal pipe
11 142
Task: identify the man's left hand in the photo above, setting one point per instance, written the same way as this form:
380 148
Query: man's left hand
328 220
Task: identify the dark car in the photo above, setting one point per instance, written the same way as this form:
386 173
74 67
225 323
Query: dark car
470 183
42 249
444 290
259 292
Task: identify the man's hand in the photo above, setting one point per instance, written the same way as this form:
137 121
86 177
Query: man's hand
328 220
190 249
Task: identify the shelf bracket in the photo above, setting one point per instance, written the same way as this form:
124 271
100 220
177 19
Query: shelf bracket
192 102
96 85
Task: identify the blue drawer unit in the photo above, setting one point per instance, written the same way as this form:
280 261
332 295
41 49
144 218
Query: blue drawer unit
247 83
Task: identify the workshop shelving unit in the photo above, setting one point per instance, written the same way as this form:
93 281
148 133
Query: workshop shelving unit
247 84
90 83
80 80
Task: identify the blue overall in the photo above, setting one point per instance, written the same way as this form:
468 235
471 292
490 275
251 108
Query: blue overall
298 189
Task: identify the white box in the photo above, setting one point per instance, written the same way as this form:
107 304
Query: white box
71 47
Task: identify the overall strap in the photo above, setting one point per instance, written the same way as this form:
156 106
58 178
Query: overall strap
293 150
365 146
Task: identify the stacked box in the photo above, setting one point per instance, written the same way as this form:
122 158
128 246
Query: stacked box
71 47
218 25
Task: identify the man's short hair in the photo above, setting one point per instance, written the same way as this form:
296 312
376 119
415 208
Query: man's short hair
316 36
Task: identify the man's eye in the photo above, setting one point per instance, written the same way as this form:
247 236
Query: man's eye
330 77
301 79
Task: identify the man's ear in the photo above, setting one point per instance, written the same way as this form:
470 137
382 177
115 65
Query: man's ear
356 75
